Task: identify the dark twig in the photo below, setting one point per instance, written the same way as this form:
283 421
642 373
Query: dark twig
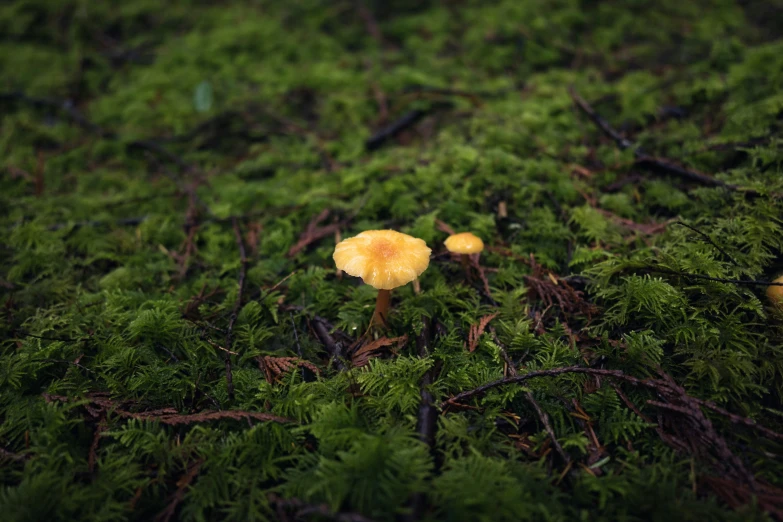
666 166
92 457
406 121
645 160
303 509
72 363
173 419
737 419
329 326
548 427
334 348
686 428
171 354
599 121
747 282
428 415
99 405
427 418
460 397
529 395
314 232
182 485
388 132
709 240
237 305
703 436
652 384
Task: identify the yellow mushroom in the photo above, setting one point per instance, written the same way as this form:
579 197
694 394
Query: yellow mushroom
384 259
775 293
464 244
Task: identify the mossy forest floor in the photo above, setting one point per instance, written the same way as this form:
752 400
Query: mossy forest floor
176 343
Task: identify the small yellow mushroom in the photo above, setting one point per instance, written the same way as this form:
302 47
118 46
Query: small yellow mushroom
775 293
464 244
384 259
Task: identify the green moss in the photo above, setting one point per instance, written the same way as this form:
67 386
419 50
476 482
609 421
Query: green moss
120 263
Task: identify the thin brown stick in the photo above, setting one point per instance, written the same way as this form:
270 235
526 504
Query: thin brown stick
691 431
427 416
746 282
617 374
182 485
503 353
645 160
206 416
542 415
709 240
737 419
548 427
237 305
334 348
100 404
599 121
92 457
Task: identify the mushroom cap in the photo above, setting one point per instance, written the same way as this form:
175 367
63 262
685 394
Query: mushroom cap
775 293
384 259
464 243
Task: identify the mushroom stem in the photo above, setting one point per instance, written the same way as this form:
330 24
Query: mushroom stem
464 258
381 308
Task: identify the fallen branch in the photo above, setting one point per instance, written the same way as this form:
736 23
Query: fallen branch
312 317
427 422
709 240
529 395
98 404
646 161
427 417
333 348
313 232
409 119
237 305
206 416
747 282
92 456
677 400
182 484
